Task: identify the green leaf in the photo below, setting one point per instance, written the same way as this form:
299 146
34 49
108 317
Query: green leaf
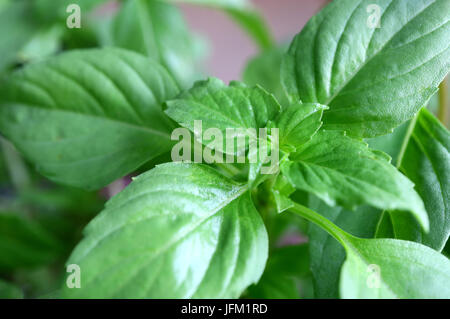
24 243
220 106
44 43
4 176
390 143
264 69
406 269
281 190
298 124
88 117
373 79
9 291
285 267
223 107
177 231
426 162
327 255
245 15
341 170
17 27
157 30
386 268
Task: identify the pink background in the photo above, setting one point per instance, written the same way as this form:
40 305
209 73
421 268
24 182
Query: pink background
230 47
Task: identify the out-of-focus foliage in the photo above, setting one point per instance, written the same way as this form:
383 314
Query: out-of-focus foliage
9 291
158 31
244 14
264 69
282 279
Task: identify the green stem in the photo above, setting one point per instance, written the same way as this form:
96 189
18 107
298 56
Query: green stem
405 142
340 235
443 102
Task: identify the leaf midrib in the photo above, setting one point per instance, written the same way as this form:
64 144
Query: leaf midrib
131 125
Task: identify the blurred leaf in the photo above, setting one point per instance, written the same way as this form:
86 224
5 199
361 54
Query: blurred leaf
158 30
44 43
16 28
3 170
390 143
64 211
9 291
62 199
18 173
112 124
51 11
24 243
327 255
244 14
280 280
264 69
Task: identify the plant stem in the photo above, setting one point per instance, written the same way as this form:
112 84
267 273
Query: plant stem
17 169
443 102
405 142
321 221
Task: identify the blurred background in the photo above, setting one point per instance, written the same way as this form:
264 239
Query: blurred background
229 46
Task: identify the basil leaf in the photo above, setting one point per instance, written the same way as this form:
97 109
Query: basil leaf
88 117
223 107
298 124
159 31
177 231
426 162
285 267
386 268
406 270
24 243
327 255
372 78
244 14
341 170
